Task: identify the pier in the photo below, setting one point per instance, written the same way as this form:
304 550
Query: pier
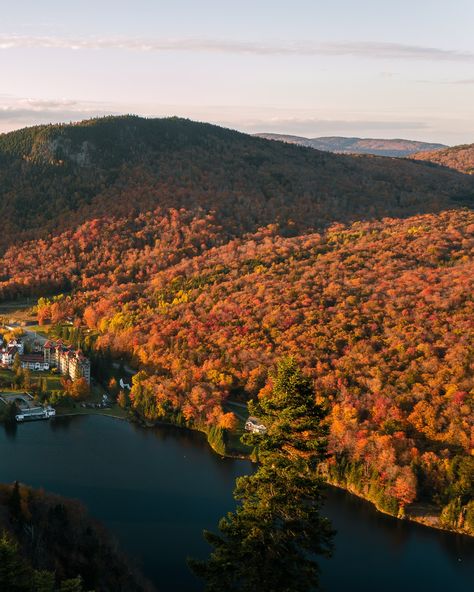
35 413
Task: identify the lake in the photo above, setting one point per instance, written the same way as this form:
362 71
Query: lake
157 489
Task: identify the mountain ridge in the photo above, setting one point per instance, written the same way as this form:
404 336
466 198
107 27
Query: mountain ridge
58 176
396 147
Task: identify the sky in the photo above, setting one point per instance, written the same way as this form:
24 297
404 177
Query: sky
369 68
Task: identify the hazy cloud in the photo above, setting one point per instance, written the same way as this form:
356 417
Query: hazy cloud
314 126
464 81
304 48
15 112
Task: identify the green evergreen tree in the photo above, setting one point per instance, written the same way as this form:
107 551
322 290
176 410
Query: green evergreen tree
15 501
271 542
26 379
11 412
15 574
43 581
16 363
74 585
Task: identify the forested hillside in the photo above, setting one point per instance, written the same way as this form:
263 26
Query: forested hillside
53 178
49 544
460 158
194 255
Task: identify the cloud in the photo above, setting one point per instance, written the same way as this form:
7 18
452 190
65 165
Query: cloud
314 126
463 81
15 112
380 50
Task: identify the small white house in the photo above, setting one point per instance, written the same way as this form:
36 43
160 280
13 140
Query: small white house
255 426
124 385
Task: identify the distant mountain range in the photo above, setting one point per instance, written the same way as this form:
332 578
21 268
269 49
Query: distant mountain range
460 158
379 147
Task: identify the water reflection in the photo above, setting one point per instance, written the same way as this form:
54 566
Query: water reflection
369 541
10 429
63 423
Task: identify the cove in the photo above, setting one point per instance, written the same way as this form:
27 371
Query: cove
157 489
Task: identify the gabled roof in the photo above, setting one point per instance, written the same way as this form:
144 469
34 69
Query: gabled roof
32 358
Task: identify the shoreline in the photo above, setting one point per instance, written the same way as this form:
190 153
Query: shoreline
146 424
417 519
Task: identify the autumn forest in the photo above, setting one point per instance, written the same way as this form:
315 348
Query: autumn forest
203 256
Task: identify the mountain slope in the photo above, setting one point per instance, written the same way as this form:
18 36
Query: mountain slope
55 177
342 145
460 158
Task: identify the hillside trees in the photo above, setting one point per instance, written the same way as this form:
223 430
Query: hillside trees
460 158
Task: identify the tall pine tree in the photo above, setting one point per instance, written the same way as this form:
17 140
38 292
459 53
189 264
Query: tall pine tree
271 542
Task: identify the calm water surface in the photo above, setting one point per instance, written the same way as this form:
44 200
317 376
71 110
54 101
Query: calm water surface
157 489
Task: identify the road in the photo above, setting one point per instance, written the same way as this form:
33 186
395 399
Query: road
33 336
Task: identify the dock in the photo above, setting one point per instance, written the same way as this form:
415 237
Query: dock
35 413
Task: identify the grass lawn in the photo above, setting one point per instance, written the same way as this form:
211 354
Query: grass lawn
18 306
43 330
53 381
5 374
233 439
76 409
18 312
